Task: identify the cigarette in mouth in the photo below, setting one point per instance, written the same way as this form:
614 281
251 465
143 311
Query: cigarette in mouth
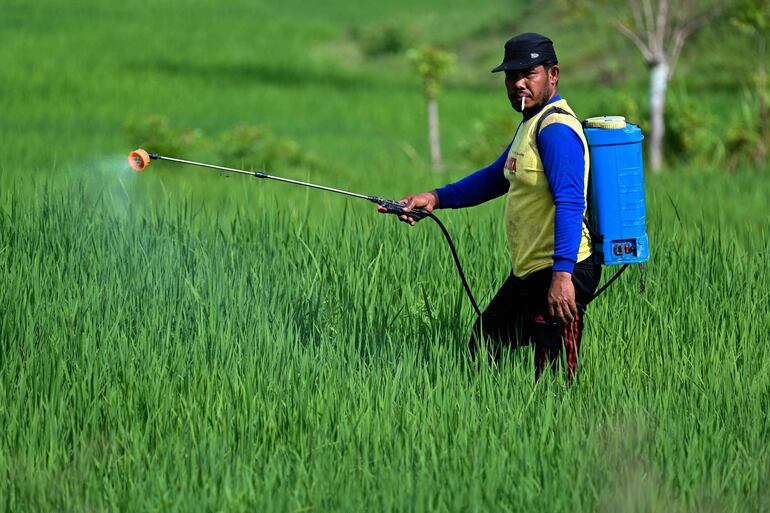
522 104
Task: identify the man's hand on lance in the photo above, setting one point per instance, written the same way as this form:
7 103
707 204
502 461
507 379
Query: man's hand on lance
425 200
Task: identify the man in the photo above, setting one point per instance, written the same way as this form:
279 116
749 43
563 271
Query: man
544 172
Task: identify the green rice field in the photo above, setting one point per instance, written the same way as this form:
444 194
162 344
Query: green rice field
181 340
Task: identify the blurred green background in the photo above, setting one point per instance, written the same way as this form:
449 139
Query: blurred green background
332 78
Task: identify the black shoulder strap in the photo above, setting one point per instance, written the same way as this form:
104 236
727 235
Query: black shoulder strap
548 112
595 237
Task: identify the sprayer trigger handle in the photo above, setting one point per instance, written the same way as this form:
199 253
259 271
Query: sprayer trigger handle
394 207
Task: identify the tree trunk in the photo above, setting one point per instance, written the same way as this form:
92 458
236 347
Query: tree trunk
433 134
658 82
764 114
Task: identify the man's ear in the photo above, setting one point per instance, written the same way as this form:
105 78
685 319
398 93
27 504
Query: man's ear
553 74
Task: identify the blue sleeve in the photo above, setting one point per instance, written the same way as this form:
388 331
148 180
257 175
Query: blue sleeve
562 153
483 185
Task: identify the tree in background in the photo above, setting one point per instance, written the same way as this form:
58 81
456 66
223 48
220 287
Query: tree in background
659 29
432 65
753 16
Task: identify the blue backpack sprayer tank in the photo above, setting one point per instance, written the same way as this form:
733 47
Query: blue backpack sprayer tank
616 190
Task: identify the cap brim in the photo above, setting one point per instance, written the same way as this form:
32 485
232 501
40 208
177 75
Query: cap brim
516 65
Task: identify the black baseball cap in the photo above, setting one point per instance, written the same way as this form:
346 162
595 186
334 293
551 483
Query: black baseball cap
526 50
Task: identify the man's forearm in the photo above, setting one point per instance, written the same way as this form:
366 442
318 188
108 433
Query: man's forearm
568 232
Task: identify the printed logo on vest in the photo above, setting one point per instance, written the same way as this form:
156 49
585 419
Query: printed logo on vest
510 165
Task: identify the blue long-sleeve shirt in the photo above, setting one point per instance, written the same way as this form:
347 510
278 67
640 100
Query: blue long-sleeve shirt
561 151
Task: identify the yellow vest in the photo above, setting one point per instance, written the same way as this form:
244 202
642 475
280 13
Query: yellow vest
529 209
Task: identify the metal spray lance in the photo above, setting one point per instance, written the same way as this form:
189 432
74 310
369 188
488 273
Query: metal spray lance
140 159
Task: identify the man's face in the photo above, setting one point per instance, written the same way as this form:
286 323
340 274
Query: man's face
536 85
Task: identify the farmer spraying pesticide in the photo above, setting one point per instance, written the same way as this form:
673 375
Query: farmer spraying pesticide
545 174
556 255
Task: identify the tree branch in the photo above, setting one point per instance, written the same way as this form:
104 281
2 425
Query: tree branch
662 22
634 37
649 27
637 14
681 33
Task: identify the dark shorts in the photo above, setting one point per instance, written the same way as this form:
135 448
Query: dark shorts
518 315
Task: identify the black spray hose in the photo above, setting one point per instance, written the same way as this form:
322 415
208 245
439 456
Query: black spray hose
609 282
457 263
394 207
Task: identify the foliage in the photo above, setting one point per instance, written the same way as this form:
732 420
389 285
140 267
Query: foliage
387 39
752 16
156 133
693 133
742 135
432 65
258 147
486 139
248 146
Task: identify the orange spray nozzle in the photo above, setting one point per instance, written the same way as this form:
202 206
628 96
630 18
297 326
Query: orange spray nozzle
138 159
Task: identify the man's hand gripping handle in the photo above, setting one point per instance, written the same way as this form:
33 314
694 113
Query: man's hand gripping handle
397 208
